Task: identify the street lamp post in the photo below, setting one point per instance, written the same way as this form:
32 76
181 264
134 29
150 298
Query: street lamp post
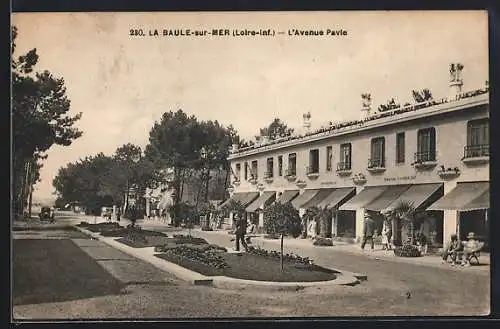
204 156
134 159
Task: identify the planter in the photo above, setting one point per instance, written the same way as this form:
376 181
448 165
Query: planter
291 178
301 184
261 187
323 242
359 179
345 172
407 251
252 181
376 170
268 180
425 165
449 173
236 183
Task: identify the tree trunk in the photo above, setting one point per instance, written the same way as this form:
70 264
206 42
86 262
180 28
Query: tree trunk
30 201
198 197
412 237
225 184
125 204
281 255
207 184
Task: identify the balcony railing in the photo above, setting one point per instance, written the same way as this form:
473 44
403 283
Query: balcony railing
312 170
376 163
421 157
475 151
343 166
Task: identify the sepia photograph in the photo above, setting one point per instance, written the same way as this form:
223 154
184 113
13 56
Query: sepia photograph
249 165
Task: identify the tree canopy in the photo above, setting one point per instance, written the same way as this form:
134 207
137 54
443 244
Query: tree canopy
190 148
40 118
276 129
282 219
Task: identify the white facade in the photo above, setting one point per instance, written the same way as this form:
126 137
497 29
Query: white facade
443 130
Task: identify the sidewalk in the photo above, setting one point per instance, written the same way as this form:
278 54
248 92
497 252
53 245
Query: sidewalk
305 247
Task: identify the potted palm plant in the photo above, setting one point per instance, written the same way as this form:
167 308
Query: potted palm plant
404 212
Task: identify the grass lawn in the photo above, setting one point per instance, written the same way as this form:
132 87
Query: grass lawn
255 267
63 232
148 241
57 270
144 240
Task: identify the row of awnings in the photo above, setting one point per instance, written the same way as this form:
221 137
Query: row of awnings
464 197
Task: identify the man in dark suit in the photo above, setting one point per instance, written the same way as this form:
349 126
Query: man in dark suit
368 231
241 229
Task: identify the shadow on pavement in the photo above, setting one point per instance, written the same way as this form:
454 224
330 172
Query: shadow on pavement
47 271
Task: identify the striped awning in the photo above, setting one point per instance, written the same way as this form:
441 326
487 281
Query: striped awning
302 199
390 195
261 201
318 197
480 203
461 196
418 195
288 196
360 200
337 197
245 198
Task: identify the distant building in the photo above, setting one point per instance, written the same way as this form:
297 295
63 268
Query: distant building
434 154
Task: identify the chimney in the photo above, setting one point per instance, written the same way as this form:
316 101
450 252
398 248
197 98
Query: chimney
306 122
366 103
456 81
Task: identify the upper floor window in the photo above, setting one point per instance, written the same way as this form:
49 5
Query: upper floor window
329 158
254 169
400 148
345 157
377 153
238 171
313 162
426 145
280 165
292 164
246 170
270 167
478 138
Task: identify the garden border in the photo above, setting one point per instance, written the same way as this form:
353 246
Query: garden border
148 255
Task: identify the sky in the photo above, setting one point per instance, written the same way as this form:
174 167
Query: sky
123 84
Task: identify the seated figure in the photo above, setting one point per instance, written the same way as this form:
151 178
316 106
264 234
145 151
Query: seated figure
452 249
470 246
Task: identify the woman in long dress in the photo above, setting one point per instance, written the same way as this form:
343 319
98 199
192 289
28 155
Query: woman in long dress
312 229
385 235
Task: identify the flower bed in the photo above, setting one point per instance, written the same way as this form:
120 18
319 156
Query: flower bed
257 264
97 228
183 239
407 251
290 258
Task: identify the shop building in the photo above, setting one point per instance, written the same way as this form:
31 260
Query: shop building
434 153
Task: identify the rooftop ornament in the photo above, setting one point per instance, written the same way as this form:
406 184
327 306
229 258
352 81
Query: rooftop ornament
359 123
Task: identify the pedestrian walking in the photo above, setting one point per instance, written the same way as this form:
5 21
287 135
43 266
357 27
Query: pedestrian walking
385 238
241 227
368 230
